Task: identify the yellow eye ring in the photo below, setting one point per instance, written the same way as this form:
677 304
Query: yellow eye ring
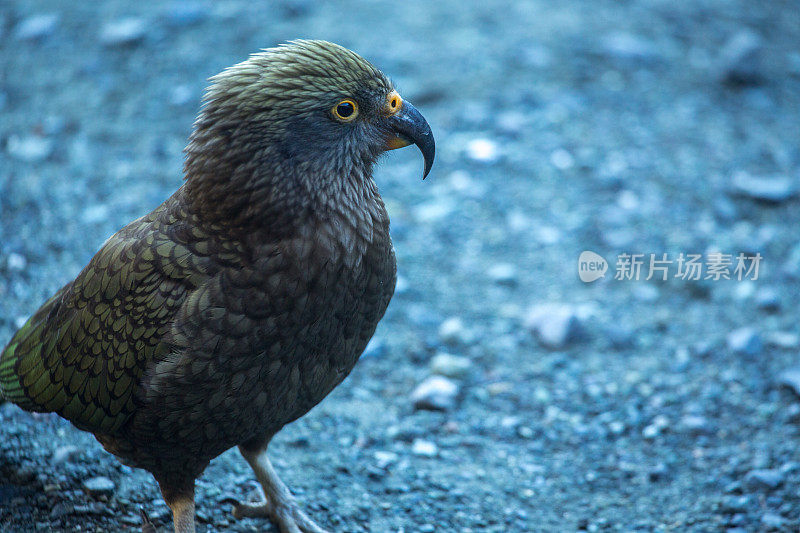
394 102
345 111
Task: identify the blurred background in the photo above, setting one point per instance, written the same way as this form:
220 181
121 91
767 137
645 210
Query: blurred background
500 393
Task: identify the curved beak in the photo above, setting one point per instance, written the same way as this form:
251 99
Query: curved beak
410 127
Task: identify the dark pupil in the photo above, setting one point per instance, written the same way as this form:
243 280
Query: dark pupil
394 102
345 109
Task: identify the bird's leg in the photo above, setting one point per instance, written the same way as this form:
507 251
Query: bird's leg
279 506
181 503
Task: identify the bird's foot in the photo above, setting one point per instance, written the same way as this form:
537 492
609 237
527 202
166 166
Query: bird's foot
147 525
284 514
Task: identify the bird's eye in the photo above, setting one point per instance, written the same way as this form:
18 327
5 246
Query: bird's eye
346 110
393 103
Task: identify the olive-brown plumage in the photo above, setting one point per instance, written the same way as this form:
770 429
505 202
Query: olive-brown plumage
245 298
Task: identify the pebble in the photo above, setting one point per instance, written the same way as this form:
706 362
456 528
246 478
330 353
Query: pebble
740 60
562 159
772 521
791 378
36 27
620 336
436 393
123 32
383 459
451 366
452 331
16 262
555 325
768 298
376 347
424 448
65 454
99 486
695 424
783 339
29 148
503 274
483 150
764 479
185 13
745 341
623 45
773 189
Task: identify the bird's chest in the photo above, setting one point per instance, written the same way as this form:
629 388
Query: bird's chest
330 285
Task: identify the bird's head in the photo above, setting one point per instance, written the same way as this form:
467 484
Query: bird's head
296 122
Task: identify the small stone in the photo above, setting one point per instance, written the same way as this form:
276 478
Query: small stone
620 336
745 341
562 159
627 46
424 448
436 393
99 486
65 454
185 13
772 521
783 339
555 325
736 504
36 27
694 424
434 210
376 347
451 366
96 213
503 274
483 150
383 459
29 148
768 299
452 331
427 528
16 262
791 378
123 32
764 479
740 61
774 189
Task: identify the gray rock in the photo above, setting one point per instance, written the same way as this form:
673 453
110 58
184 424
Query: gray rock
620 336
555 325
452 331
503 274
424 448
764 479
185 13
695 424
99 486
36 27
451 366
772 521
740 60
623 45
65 454
745 341
773 189
791 378
123 32
436 393
768 298
29 148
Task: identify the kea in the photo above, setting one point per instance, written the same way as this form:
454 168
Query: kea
240 302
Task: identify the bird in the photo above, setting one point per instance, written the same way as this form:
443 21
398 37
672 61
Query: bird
240 302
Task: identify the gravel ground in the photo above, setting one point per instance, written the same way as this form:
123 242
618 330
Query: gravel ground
611 126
